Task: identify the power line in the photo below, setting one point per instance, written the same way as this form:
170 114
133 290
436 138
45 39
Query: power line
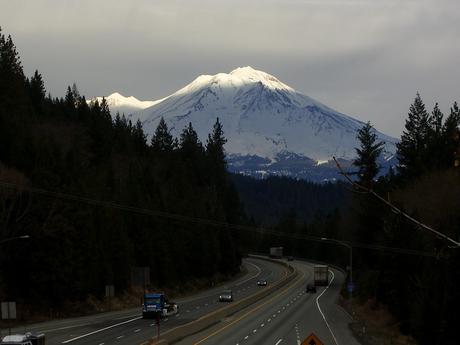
203 221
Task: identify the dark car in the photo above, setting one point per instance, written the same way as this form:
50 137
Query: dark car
226 296
310 288
262 282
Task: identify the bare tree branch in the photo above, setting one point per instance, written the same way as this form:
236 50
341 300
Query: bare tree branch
395 209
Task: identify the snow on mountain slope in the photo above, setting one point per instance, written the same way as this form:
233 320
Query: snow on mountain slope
261 117
124 105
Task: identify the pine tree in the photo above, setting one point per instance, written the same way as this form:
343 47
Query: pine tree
368 153
190 148
69 99
162 140
412 149
140 139
435 139
450 132
37 91
215 153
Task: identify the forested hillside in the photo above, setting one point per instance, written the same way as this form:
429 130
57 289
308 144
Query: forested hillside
398 263
268 200
78 247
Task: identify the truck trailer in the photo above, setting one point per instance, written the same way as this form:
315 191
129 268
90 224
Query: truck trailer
321 275
276 252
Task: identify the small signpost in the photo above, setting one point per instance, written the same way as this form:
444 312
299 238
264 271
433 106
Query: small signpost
109 293
9 312
312 339
350 287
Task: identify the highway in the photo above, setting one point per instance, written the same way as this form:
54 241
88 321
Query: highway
288 316
127 327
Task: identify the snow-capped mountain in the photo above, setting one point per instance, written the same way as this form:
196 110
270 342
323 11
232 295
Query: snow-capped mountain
270 127
124 105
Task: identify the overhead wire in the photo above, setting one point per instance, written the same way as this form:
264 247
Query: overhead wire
360 188
203 221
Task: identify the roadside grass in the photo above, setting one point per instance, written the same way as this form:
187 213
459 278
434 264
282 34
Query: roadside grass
374 325
131 298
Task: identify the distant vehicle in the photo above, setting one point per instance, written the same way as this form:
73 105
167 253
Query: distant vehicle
226 296
311 288
157 305
262 282
276 252
290 258
321 275
24 339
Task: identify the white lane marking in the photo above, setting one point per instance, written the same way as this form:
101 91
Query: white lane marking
246 337
254 331
259 271
297 334
66 327
152 324
177 315
100 330
121 336
279 341
319 308
101 344
137 330
269 320
262 325
166 320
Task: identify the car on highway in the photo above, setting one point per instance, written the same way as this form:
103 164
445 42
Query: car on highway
311 288
226 296
262 282
24 339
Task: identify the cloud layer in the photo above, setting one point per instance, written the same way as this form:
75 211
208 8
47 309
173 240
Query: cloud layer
365 58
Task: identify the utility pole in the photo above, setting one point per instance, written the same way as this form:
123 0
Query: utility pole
350 285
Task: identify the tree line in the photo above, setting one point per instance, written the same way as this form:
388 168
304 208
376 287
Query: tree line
68 146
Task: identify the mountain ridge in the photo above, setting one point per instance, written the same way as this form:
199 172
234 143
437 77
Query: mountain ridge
262 118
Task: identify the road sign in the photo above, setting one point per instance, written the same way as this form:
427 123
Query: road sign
8 310
109 291
312 339
350 287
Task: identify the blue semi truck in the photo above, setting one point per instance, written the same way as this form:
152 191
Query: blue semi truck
156 305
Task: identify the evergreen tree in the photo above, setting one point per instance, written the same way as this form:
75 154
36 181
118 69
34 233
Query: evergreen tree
412 149
450 139
162 140
368 153
37 91
435 139
69 99
217 165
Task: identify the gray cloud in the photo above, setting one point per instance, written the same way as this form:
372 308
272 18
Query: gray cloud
365 58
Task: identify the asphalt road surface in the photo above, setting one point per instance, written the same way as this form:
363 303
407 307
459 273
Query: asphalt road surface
127 327
287 316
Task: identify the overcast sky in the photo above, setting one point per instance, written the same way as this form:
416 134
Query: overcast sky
364 58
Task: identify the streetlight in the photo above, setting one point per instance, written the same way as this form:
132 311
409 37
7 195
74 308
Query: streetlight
23 237
350 281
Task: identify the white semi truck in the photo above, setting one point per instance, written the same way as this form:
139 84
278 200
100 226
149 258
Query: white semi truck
321 275
276 252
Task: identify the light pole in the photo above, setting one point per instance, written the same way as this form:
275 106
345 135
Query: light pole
350 286
23 237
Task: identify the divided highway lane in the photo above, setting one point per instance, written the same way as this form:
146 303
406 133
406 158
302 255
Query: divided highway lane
287 317
127 327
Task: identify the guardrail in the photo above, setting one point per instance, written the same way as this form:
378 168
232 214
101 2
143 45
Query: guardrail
177 333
